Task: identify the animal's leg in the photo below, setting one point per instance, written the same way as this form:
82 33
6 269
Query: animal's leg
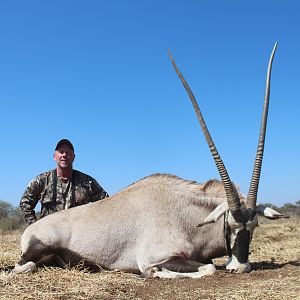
202 271
26 268
180 268
52 260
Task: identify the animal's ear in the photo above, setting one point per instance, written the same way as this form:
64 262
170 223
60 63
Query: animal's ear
215 214
269 212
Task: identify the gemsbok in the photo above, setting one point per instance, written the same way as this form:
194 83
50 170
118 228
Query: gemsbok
160 226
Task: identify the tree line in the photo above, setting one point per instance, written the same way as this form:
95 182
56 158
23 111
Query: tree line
12 219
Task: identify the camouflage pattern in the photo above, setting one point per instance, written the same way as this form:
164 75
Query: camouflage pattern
41 189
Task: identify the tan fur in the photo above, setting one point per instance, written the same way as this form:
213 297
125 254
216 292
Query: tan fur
143 226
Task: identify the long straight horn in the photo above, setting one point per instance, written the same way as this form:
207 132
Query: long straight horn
233 199
252 195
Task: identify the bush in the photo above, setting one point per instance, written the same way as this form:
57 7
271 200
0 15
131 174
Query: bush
10 217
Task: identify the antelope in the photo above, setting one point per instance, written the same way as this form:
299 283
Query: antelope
160 226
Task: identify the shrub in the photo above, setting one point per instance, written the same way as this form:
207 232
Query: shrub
10 217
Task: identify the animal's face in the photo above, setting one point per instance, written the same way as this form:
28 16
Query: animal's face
238 237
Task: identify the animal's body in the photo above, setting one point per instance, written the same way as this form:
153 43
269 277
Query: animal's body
160 226
143 226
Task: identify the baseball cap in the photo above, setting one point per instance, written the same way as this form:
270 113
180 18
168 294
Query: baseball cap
64 142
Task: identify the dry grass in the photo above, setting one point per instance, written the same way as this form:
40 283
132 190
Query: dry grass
275 259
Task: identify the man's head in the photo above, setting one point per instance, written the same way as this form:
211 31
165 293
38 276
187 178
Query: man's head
64 154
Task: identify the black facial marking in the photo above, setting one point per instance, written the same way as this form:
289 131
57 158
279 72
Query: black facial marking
243 215
228 233
241 246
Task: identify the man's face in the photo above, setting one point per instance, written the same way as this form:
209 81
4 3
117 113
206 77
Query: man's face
64 156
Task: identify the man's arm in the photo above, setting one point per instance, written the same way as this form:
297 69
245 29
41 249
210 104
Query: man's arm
29 201
98 192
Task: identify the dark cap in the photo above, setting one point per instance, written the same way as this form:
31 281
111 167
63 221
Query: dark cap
64 142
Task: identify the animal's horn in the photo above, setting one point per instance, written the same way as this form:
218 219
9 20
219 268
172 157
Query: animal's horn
231 193
252 195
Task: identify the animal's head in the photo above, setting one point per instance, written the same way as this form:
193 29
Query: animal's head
240 214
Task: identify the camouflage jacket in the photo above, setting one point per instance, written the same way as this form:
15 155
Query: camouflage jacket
53 197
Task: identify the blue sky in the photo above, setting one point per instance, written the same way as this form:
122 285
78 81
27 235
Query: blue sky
98 73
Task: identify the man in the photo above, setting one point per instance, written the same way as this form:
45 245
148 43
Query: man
61 188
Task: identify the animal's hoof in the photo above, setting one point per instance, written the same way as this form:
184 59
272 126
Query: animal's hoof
29 267
209 269
150 273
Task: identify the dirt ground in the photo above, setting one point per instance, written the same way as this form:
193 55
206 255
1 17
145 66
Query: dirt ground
275 259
